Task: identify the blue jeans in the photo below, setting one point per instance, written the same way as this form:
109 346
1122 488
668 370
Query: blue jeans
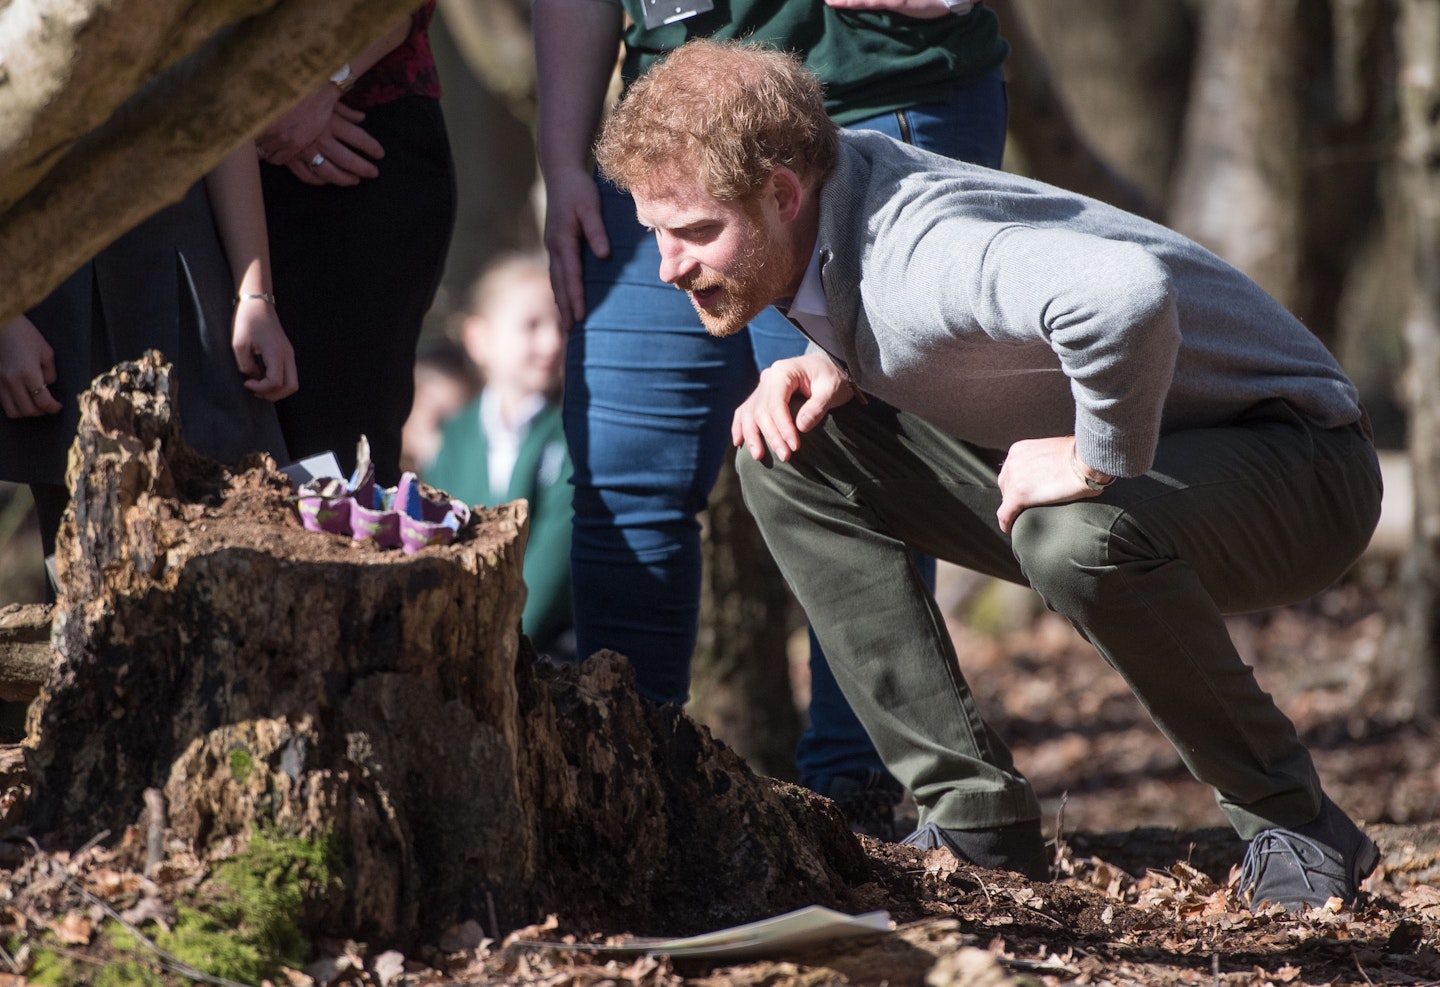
649 396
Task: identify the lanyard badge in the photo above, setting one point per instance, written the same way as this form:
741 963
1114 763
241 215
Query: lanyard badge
658 13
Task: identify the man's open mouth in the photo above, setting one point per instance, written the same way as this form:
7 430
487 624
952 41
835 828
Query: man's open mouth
707 296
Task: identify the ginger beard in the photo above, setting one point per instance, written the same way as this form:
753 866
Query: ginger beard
756 276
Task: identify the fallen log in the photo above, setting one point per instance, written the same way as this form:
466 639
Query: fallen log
266 677
26 657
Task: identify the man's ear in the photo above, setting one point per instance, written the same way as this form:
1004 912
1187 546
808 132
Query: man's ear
788 191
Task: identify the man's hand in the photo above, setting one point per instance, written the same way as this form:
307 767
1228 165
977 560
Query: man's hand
27 369
572 218
927 9
1036 472
764 418
262 351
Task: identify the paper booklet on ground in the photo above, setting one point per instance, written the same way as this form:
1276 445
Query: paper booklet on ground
792 930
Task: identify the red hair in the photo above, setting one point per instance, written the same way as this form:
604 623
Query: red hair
727 112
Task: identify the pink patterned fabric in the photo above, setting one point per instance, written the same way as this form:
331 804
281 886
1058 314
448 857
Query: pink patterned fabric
409 70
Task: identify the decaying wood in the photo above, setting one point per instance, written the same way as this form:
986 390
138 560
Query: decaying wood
26 657
264 676
80 163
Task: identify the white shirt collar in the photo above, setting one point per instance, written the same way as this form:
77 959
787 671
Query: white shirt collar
808 307
503 439
810 296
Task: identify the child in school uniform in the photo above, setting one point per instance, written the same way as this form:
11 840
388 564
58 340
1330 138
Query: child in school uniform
445 381
508 443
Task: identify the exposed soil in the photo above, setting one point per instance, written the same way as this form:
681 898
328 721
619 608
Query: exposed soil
1143 894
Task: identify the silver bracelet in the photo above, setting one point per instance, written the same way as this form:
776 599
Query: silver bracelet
262 295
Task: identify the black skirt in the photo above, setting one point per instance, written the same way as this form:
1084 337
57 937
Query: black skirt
165 285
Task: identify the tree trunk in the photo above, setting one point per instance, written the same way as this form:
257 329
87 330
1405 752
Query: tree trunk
740 685
1417 641
1282 144
81 164
496 190
1053 148
266 677
494 38
1120 68
1238 191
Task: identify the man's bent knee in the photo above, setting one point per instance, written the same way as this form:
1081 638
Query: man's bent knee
1064 551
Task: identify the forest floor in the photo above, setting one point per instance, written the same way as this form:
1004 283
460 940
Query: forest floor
1144 893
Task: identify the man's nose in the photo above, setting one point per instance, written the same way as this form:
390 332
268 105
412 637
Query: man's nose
674 263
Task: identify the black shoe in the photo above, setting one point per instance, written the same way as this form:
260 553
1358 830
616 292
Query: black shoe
868 803
1018 847
1310 864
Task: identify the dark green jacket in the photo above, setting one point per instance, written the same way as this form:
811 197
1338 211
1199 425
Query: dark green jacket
870 62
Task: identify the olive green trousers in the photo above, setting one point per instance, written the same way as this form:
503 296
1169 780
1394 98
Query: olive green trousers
1262 512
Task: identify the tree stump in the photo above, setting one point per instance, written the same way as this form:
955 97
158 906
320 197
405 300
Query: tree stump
267 677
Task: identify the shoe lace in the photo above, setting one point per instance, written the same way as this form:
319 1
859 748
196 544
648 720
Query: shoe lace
1284 843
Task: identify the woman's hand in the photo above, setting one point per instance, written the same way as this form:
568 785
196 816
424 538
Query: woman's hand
287 138
572 222
263 351
27 369
321 141
339 155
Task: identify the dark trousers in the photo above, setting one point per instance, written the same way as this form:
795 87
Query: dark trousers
355 271
1262 512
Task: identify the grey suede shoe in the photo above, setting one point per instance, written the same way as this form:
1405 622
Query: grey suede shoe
1017 847
1310 864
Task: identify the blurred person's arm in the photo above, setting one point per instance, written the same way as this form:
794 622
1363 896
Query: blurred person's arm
576 44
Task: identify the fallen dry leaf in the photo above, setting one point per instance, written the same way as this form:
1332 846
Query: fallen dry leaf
387 966
73 929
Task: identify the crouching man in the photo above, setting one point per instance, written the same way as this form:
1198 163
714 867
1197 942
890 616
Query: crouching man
1030 384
